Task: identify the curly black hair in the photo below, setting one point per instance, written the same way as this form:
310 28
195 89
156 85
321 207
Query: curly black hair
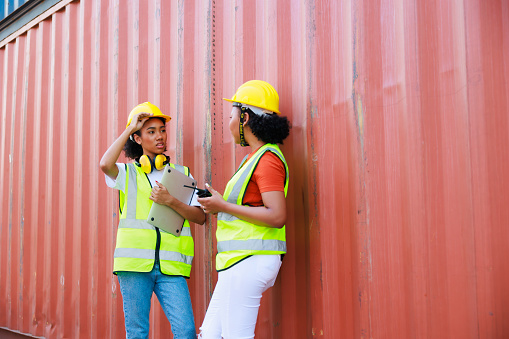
269 128
132 149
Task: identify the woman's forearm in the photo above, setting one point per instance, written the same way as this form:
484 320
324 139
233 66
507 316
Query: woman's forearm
271 214
112 154
261 215
192 213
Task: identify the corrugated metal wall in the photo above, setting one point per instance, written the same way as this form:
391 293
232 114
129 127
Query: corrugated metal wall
399 154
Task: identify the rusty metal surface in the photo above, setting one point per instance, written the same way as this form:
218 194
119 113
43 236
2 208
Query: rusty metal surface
398 155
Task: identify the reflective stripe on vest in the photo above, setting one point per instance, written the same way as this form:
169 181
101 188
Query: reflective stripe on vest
237 238
132 187
252 245
149 254
136 239
143 225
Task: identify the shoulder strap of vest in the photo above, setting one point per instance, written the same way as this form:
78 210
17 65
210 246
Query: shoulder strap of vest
243 161
281 157
121 196
180 168
131 190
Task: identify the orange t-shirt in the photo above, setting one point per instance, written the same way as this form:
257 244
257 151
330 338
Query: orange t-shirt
269 175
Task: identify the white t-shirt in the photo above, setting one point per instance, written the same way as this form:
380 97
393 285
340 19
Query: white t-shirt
156 175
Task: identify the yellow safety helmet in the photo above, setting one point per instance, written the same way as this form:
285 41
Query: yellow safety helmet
147 107
257 93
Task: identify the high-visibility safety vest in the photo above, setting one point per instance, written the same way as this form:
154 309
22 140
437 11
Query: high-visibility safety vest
138 242
236 238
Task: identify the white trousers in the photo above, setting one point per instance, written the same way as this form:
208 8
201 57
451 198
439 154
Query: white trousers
233 310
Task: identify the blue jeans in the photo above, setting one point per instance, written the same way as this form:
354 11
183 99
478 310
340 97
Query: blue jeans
172 293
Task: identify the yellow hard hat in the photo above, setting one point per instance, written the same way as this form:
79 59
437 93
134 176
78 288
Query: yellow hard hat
147 107
257 93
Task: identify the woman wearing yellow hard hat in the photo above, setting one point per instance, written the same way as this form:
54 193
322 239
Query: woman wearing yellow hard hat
251 214
148 260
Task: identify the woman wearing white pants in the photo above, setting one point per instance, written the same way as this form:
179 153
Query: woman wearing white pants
251 238
233 309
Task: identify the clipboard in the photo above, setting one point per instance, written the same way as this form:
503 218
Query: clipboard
164 217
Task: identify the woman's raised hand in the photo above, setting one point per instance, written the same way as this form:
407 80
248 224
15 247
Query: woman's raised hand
138 121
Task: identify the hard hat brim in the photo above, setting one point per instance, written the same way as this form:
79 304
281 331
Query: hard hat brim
245 103
164 116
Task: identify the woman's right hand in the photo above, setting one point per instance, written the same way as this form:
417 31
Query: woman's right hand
214 203
138 121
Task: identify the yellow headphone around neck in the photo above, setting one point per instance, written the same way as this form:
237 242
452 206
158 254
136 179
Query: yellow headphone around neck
147 164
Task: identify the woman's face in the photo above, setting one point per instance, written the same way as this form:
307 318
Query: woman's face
153 137
234 124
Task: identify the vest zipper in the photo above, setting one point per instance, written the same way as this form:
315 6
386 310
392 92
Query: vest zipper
158 245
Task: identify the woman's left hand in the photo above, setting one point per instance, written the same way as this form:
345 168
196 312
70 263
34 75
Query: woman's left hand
213 204
160 195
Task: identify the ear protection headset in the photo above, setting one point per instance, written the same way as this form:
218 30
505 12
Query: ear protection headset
147 164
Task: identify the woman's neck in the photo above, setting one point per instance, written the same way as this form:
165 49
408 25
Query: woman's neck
252 140
152 155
